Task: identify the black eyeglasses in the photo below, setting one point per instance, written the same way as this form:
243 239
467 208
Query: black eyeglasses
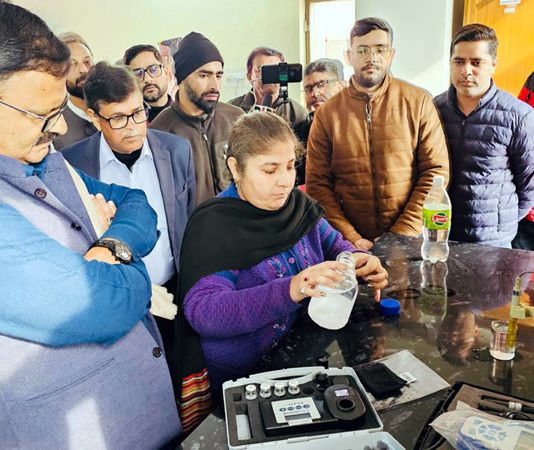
118 122
319 85
49 121
154 70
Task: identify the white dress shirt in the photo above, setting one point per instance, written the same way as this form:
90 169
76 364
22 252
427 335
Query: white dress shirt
159 262
78 111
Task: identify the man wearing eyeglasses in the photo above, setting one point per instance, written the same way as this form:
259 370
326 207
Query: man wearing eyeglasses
81 362
322 80
374 148
145 61
78 122
125 152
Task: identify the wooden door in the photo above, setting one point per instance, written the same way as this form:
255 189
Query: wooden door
515 32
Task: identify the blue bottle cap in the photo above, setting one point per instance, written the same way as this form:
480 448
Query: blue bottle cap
389 307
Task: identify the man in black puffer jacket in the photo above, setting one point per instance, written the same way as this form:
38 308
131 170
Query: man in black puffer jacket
490 135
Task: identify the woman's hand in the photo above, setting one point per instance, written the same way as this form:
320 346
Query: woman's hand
306 283
368 267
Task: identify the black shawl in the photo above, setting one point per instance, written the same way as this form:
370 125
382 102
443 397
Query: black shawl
225 233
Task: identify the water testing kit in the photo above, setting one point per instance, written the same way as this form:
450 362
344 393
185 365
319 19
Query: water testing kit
307 408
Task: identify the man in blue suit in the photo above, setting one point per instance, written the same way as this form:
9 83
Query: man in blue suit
125 152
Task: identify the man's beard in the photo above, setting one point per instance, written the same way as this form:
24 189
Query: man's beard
153 97
370 81
205 105
76 89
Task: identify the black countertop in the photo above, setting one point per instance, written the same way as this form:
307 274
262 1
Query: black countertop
444 322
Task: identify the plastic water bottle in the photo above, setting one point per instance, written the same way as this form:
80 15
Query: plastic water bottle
333 310
436 222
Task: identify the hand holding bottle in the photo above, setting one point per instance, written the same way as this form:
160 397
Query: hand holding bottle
306 283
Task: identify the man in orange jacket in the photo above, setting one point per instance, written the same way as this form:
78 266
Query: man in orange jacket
374 148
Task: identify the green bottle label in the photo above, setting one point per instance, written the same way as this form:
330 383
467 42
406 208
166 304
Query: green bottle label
437 219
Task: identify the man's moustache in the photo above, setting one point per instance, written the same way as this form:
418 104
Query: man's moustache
46 138
81 79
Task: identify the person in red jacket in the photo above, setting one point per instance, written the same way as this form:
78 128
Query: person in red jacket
525 233
527 91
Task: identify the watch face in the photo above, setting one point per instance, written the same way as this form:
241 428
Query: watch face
122 252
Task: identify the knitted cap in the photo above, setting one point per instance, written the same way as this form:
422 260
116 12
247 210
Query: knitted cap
194 51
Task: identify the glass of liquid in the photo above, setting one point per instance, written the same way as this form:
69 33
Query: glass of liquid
498 347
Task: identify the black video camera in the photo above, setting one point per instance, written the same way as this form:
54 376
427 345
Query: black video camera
282 73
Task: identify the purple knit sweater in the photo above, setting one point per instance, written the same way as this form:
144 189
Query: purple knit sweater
241 314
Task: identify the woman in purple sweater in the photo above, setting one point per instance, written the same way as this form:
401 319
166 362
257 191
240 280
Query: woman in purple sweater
251 255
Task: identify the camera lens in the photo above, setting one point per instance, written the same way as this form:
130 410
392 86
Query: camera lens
346 404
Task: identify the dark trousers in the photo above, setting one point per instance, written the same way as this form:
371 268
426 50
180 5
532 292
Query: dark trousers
524 239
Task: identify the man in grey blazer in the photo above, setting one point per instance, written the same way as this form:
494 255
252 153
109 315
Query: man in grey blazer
81 60
81 363
124 152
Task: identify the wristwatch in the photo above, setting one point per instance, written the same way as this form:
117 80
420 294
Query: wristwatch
119 249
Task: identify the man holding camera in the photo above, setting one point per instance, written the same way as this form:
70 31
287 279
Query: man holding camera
374 148
267 95
197 115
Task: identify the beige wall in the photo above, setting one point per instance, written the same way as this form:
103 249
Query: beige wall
235 26
422 30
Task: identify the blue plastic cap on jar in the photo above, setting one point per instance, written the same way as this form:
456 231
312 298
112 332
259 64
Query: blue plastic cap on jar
389 307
